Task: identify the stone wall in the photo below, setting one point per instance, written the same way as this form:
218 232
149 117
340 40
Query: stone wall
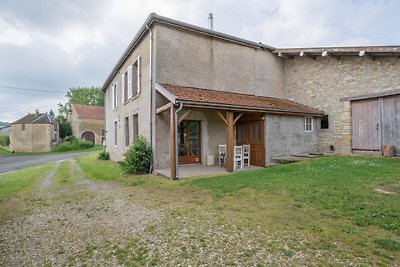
321 83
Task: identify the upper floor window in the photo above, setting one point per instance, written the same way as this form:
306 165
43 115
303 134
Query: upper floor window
125 85
23 127
308 124
114 96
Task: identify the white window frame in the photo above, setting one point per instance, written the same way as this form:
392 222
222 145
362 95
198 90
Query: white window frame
129 73
114 96
310 123
137 61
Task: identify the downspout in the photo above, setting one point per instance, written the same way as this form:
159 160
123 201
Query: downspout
151 93
176 140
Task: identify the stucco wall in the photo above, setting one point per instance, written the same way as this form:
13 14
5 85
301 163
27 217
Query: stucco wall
213 133
187 58
35 138
285 135
321 83
139 105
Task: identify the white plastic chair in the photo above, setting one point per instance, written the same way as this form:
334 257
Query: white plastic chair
222 155
246 154
237 157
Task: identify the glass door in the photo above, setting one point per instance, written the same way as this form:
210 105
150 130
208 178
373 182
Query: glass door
189 142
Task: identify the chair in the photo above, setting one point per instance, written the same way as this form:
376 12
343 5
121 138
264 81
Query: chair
237 157
246 154
222 155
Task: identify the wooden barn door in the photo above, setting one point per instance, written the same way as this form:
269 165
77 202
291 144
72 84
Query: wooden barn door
366 125
391 121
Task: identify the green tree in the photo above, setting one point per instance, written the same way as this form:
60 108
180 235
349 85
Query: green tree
81 95
64 126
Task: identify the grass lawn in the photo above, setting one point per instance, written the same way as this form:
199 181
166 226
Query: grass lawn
6 152
17 182
333 210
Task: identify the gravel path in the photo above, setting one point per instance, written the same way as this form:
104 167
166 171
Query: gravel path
65 225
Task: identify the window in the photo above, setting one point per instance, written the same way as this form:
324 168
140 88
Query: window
124 80
115 96
308 124
325 122
127 131
135 126
23 127
136 77
115 133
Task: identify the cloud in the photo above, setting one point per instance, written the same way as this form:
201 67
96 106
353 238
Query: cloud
56 45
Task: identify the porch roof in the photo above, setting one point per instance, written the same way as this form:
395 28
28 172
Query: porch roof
234 101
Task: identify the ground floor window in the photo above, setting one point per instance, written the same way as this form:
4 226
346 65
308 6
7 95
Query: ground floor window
308 124
115 133
127 131
135 126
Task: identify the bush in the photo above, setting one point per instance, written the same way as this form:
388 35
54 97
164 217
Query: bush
103 155
70 139
4 140
74 145
137 157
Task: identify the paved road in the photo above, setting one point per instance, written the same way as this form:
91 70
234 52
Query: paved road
12 163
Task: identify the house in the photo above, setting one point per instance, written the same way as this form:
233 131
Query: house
87 122
188 89
37 132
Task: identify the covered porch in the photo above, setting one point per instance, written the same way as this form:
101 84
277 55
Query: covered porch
232 119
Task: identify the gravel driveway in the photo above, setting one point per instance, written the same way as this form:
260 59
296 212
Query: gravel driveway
12 163
63 225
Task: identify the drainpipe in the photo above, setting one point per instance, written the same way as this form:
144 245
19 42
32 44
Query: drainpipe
176 139
151 92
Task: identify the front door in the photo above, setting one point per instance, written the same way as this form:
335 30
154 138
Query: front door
189 142
252 133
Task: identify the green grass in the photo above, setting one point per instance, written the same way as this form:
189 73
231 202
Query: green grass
345 186
6 152
64 175
19 181
99 169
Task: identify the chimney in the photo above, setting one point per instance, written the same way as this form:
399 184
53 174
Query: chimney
210 21
37 112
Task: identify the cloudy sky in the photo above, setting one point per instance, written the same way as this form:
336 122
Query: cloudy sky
52 45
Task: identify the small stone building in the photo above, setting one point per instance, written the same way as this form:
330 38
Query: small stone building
37 132
87 122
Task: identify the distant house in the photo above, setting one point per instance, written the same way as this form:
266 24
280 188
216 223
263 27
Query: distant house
37 132
87 122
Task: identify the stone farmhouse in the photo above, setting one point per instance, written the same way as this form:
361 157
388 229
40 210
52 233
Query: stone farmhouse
87 122
189 89
37 132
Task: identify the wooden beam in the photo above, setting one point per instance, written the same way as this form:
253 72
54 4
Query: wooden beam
163 108
365 54
184 115
222 118
172 142
229 141
280 54
326 54
237 118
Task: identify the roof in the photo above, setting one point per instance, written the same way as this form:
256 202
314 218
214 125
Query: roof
226 100
153 18
362 51
89 112
36 118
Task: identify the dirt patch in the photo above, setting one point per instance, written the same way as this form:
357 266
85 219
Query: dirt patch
62 223
387 191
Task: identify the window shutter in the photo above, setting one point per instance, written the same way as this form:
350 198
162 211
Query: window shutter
139 74
123 87
129 72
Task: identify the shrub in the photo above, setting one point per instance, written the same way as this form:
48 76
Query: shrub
74 145
103 155
137 157
4 140
70 139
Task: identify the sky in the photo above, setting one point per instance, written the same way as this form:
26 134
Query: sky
50 45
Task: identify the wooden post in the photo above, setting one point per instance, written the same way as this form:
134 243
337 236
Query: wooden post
172 143
229 141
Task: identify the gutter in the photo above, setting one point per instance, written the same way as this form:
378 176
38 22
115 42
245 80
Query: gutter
151 92
176 141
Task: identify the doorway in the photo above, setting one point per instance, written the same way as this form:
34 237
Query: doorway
89 136
252 133
189 142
